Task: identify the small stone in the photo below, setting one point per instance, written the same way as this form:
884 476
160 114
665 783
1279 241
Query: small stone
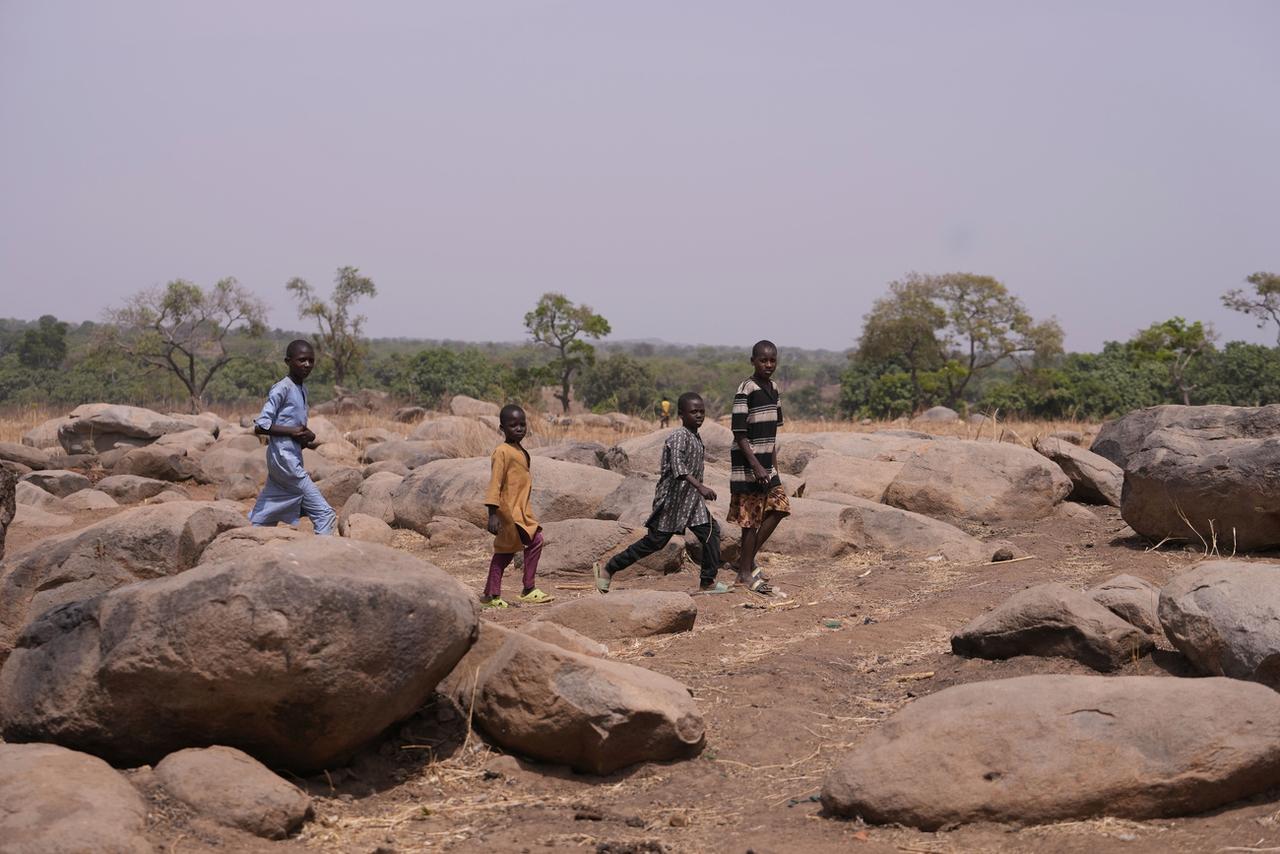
1002 554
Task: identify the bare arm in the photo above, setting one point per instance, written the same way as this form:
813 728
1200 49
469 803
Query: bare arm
705 491
744 445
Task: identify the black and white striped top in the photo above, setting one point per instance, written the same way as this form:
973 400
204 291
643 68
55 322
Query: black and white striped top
757 414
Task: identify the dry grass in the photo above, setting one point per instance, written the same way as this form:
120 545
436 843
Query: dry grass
15 421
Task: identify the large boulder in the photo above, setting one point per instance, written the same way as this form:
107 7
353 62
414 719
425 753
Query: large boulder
1037 749
33 496
373 497
58 801
456 488
44 435
1053 620
632 502
134 545
1121 439
194 441
1094 479
411 453
643 454
979 481
831 471
59 482
369 529
1204 487
591 714
465 437
237 542
1224 616
232 788
883 445
469 407
1132 599
88 499
338 486
224 463
158 462
938 415
572 545
96 427
583 453
625 614
32 458
132 489
306 651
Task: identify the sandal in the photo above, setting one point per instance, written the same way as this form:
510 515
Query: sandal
602 578
494 602
718 587
756 572
759 586
535 597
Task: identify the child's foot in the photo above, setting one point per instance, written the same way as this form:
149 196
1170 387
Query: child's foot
758 584
602 577
715 587
535 597
493 602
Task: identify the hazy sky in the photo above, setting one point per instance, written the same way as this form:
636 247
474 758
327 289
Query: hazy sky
696 171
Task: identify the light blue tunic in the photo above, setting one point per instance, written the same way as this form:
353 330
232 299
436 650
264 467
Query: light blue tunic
289 492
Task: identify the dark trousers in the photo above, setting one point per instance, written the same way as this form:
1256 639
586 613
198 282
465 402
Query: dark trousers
708 535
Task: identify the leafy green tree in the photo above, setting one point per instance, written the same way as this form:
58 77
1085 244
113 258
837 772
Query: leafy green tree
618 382
439 372
903 328
559 324
184 329
338 328
1175 344
43 346
1263 303
987 325
1239 374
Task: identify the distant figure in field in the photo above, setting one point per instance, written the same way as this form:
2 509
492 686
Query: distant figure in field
511 518
679 502
289 492
664 413
757 501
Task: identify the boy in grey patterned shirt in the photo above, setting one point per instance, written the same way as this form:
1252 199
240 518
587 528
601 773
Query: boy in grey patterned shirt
679 502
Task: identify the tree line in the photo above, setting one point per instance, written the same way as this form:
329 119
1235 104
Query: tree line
958 339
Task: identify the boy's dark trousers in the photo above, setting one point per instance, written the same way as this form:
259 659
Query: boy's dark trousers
708 535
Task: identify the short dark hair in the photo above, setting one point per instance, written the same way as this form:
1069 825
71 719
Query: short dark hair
763 344
687 398
510 409
295 345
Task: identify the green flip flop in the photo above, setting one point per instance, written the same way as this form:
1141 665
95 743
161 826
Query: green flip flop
718 587
602 577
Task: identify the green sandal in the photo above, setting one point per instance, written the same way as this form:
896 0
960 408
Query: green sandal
602 578
718 587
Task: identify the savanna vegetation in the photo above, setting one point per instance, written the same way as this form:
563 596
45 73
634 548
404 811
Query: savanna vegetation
957 339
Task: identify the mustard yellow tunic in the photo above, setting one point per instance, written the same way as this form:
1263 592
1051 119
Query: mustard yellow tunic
509 488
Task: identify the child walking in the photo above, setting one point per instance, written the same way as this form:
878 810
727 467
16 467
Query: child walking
290 492
511 518
757 501
679 502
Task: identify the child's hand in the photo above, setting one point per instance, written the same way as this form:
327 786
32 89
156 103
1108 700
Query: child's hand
708 493
495 524
762 476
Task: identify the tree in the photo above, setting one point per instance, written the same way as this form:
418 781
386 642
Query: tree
619 382
986 325
1174 344
43 346
559 324
1264 303
184 329
338 329
903 328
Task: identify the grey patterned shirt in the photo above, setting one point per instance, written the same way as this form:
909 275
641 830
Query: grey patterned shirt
676 504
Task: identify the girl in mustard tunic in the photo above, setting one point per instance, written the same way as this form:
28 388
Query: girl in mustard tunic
511 518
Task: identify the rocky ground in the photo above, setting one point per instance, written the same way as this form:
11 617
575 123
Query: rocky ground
787 686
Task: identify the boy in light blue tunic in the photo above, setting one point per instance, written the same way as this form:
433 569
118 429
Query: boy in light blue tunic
290 492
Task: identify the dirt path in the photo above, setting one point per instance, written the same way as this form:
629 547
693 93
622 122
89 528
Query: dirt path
786 688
